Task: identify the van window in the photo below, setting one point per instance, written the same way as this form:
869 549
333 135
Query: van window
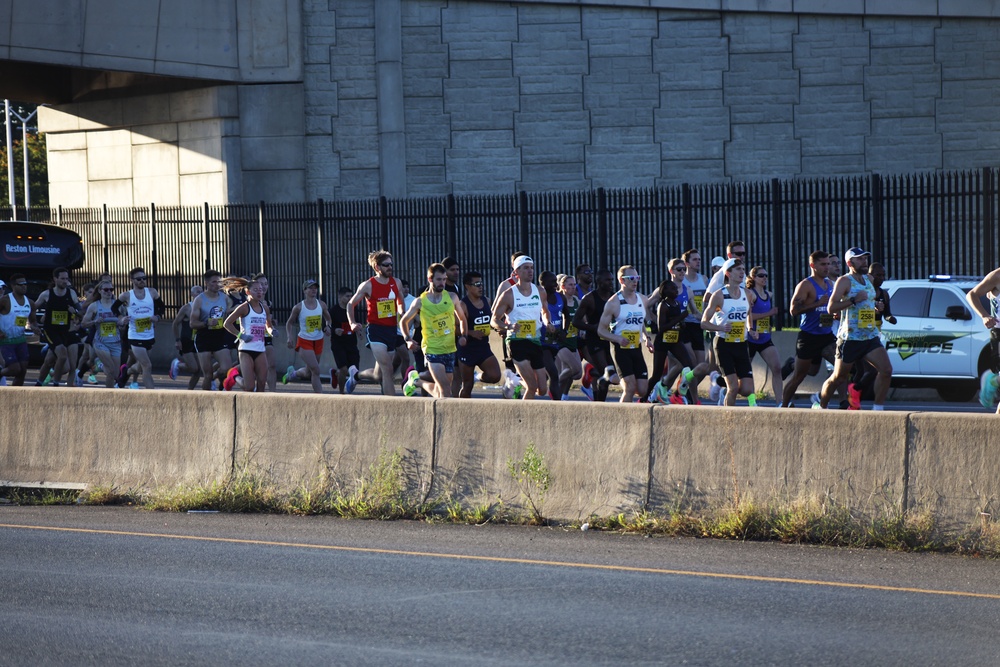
941 301
909 302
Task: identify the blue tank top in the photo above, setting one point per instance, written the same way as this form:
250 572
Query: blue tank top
555 314
818 320
764 325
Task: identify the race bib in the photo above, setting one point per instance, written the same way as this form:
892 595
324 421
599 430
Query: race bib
671 336
439 325
525 329
866 318
764 325
109 329
20 322
698 299
572 332
737 333
258 331
631 339
483 329
218 323
59 318
825 320
385 308
143 324
313 323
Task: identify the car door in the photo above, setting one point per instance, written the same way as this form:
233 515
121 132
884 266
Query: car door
947 342
902 340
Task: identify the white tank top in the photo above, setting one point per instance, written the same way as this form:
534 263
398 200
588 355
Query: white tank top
310 322
631 317
733 310
13 323
525 314
140 312
255 324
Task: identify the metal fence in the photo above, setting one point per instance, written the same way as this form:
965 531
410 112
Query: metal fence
915 224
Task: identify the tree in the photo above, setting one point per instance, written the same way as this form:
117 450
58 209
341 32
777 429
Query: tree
38 170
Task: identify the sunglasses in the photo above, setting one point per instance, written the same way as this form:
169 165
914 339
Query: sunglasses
632 278
761 275
20 284
385 265
680 268
740 254
479 284
138 277
107 289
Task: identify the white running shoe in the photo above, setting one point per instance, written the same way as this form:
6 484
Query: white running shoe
713 386
722 395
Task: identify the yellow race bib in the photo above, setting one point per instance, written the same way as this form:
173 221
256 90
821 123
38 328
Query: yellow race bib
737 333
59 318
313 323
143 324
698 299
483 329
20 322
439 325
108 329
866 318
572 331
631 339
525 329
671 336
385 308
764 325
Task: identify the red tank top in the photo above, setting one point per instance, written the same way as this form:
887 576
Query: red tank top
383 302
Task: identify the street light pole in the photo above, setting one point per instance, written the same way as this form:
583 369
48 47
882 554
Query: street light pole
10 161
24 148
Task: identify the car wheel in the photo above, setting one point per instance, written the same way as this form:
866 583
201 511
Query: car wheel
958 392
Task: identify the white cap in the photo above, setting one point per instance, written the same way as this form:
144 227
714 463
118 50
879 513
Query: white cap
522 260
2 284
855 252
730 263
717 261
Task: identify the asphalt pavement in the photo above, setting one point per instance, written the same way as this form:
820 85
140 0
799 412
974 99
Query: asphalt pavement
120 586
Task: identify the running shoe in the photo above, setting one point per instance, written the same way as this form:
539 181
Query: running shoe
988 389
215 385
677 399
788 368
230 381
405 377
817 406
91 379
714 389
48 380
122 375
659 393
681 386
518 392
588 392
333 378
289 373
350 383
78 380
174 366
134 385
586 379
3 380
814 399
410 387
722 395
853 397
99 366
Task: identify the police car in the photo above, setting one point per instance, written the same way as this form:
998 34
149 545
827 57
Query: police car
937 341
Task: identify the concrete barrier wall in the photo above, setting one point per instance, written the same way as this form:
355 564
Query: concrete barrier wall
603 459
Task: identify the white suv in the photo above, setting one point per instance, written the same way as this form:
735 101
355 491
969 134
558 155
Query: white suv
938 341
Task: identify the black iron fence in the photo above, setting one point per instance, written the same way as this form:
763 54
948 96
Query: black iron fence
915 224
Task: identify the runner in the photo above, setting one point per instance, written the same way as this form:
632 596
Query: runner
312 317
207 317
516 314
858 337
865 374
253 317
512 380
696 285
989 288
671 314
568 359
584 280
477 351
728 315
17 313
440 316
184 335
60 303
102 315
140 317
816 339
626 312
343 342
760 320
552 340
587 320
384 297
272 362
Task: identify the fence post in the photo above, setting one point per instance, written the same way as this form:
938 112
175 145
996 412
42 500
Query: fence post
451 231
206 247
152 243
602 230
687 213
59 215
383 216
260 232
106 241
878 217
320 216
522 199
989 228
778 239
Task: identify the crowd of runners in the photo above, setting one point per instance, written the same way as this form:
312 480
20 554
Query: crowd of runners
589 330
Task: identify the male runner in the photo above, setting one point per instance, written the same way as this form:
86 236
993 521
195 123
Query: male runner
587 320
61 304
477 351
209 311
516 314
384 298
140 318
440 316
816 338
989 288
17 313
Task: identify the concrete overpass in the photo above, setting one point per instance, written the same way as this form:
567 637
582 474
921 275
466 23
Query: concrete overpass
192 101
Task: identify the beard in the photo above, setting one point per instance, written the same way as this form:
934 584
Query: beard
438 290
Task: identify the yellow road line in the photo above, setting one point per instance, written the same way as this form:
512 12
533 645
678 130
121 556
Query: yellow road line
519 561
